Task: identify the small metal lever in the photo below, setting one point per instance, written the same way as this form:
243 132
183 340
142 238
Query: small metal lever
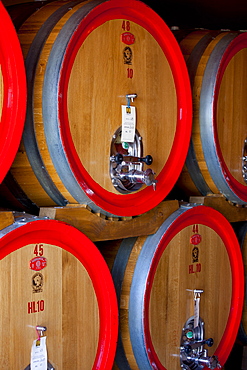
127 164
141 177
119 158
189 347
41 328
211 362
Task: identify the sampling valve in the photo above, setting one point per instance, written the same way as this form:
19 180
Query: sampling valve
126 159
193 355
129 169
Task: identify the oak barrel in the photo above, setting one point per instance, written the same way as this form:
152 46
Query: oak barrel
12 92
216 161
241 230
53 276
85 62
156 278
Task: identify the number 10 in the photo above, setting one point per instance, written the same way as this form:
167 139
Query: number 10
130 72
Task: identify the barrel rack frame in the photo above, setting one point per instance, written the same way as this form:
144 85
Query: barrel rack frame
98 228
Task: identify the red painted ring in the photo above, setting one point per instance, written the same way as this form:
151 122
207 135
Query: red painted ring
14 100
75 242
216 221
237 44
144 200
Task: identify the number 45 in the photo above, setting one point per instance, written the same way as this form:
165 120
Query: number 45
38 250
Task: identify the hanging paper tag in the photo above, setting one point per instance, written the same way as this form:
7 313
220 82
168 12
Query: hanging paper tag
128 123
39 354
196 312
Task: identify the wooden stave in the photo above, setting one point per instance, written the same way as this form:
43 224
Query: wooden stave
86 200
12 195
205 171
30 142
20 199
133 352
192 180
193 59
15 238
117 262
20 12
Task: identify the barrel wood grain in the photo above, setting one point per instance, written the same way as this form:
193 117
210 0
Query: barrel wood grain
65 154
171 301
52 275
101 82
72 321
232 114
216 61
187 47
22 168
155 280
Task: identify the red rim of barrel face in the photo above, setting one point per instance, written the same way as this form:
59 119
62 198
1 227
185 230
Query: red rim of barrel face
144 200
14 99
213 219
72 240
238 43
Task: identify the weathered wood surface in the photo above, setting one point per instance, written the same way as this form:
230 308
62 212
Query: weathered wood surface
97 227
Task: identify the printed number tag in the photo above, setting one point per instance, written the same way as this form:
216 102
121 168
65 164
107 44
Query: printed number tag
39 354
128 123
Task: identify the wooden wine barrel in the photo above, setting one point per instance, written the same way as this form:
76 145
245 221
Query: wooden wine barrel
12 92
241 230
53 276
20 12
155 279
216 161
82 59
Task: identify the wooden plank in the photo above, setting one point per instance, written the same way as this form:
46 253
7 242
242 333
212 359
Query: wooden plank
232 212
6 219
97 228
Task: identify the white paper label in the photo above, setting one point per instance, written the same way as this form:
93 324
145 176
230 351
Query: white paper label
39 355
128 123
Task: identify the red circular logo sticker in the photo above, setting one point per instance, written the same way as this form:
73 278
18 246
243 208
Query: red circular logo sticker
196 239
37 263
128 38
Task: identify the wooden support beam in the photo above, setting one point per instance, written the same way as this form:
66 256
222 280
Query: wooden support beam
6 219
98 228
232 212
